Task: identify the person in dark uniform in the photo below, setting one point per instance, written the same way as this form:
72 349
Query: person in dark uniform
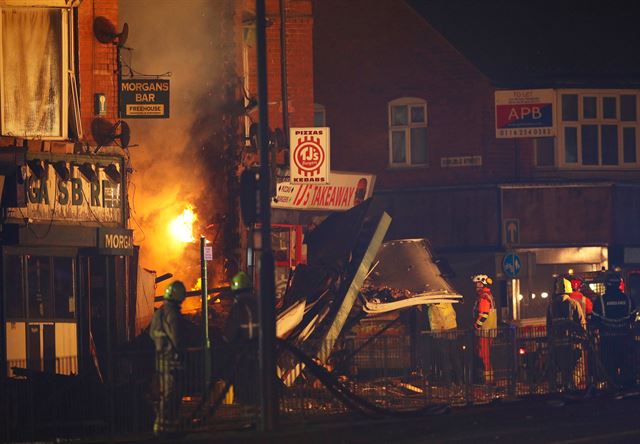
167 332
612 316
241 332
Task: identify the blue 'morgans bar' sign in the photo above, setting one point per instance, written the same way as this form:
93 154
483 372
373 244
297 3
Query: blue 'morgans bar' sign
144 98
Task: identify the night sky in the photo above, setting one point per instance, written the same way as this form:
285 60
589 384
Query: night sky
518 41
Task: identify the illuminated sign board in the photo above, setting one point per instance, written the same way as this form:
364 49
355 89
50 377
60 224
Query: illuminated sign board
345 191
309 155
144 98
525 113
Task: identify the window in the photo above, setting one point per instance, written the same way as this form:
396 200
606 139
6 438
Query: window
598 129
407 132
319 115
545 151
40 307
47 293
34 71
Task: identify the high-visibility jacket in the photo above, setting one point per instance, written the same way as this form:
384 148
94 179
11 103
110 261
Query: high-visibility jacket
485 310
565 317
167 333
585 302
442 317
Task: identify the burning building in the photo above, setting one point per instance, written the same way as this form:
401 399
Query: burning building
66 248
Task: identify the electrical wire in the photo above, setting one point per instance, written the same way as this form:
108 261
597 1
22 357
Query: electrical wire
134 73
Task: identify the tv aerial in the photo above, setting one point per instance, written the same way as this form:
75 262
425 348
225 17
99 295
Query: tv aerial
105 133
105 31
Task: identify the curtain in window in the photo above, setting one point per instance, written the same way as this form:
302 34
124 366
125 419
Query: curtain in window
32 72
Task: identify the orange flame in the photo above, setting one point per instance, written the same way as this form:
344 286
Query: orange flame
181 228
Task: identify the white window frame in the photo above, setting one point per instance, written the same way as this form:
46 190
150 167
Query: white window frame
409 102
598 121
537 142
67 64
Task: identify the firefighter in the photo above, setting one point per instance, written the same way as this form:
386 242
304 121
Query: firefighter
585 360
486 322
579 297
242 323
612 316
167 332
241 332
566 325
445 341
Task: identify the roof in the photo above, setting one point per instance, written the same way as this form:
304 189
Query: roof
561 43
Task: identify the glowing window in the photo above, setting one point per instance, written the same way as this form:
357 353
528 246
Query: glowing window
35 68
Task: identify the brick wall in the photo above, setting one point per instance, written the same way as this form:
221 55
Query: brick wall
299 49
373 52
96 61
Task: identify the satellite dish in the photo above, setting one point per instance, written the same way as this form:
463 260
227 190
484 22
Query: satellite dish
105 133
105 32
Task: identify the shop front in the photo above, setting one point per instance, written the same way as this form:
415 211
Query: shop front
65 257
299 208
558 229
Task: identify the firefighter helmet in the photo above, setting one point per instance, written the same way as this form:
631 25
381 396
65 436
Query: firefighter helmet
576 283
240 281
562 286
482 278
175 291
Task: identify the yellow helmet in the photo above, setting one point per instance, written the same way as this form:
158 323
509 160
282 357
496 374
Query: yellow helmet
175 291
562 286
241 281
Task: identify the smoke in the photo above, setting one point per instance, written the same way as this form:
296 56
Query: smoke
174 161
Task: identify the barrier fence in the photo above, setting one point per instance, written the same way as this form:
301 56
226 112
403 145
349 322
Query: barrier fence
370 375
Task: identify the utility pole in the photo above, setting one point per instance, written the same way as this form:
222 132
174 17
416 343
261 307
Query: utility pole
206 344
267 300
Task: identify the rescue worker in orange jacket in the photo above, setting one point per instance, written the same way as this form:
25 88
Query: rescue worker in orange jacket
579 297
485 324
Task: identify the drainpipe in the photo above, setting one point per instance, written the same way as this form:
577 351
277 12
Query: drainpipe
283 72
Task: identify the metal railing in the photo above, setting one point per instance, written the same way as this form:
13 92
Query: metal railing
371 375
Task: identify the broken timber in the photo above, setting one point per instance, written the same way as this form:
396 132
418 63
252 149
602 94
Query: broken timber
334 330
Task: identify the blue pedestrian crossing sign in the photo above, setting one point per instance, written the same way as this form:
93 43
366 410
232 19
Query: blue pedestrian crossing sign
511 265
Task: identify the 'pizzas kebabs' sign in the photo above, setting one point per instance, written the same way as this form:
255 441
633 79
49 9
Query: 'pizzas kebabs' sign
309 155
